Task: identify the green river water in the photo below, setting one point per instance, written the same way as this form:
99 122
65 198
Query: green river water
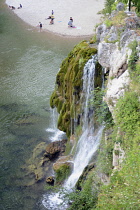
29 62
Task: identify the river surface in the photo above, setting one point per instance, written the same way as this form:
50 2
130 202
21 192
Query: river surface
29 62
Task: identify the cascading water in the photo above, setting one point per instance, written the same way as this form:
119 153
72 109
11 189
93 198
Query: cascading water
88 142
55 133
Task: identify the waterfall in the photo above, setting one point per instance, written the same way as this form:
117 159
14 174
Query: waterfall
55 133
88 142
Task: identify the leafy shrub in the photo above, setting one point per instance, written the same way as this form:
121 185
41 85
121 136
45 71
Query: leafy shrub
123 190
108 6
133 57
102 113
62 173
127 113
105 155
84 199
108 23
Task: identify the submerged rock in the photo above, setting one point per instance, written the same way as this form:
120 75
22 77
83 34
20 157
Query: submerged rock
50 180
35 167
54 149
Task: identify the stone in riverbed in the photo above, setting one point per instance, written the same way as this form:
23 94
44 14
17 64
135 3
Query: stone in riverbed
54 149
62 168
50 180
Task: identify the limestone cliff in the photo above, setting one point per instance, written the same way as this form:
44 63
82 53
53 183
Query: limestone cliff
114 52
118 50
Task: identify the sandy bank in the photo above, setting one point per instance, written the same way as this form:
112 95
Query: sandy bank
84 14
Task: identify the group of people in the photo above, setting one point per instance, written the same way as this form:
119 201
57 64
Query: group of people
12 7
51 17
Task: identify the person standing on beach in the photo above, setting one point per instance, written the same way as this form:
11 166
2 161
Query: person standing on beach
52 12
40 25
70 23
52 20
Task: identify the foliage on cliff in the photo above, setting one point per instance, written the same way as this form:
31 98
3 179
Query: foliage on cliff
117 188
123 191
110 5
106 188
69 85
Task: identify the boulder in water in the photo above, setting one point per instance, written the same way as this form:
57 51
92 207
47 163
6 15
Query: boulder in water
50 180
54 149
62 168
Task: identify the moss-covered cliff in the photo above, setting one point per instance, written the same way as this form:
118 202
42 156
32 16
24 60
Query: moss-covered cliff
66 96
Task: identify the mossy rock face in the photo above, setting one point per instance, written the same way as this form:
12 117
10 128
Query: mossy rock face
84 176
62 169
66 96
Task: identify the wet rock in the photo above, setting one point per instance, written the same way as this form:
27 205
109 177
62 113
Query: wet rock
62 168
36 166
84 175
54 149
50 180
64 160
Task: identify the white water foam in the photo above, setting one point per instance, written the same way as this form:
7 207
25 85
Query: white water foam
56 134
88 145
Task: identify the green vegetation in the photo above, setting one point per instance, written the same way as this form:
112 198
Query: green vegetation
62 173
93 39
123 191
69 85
108 6
133 3
133 57
105 155
117 20
134 67
85 199
102 113
127 113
